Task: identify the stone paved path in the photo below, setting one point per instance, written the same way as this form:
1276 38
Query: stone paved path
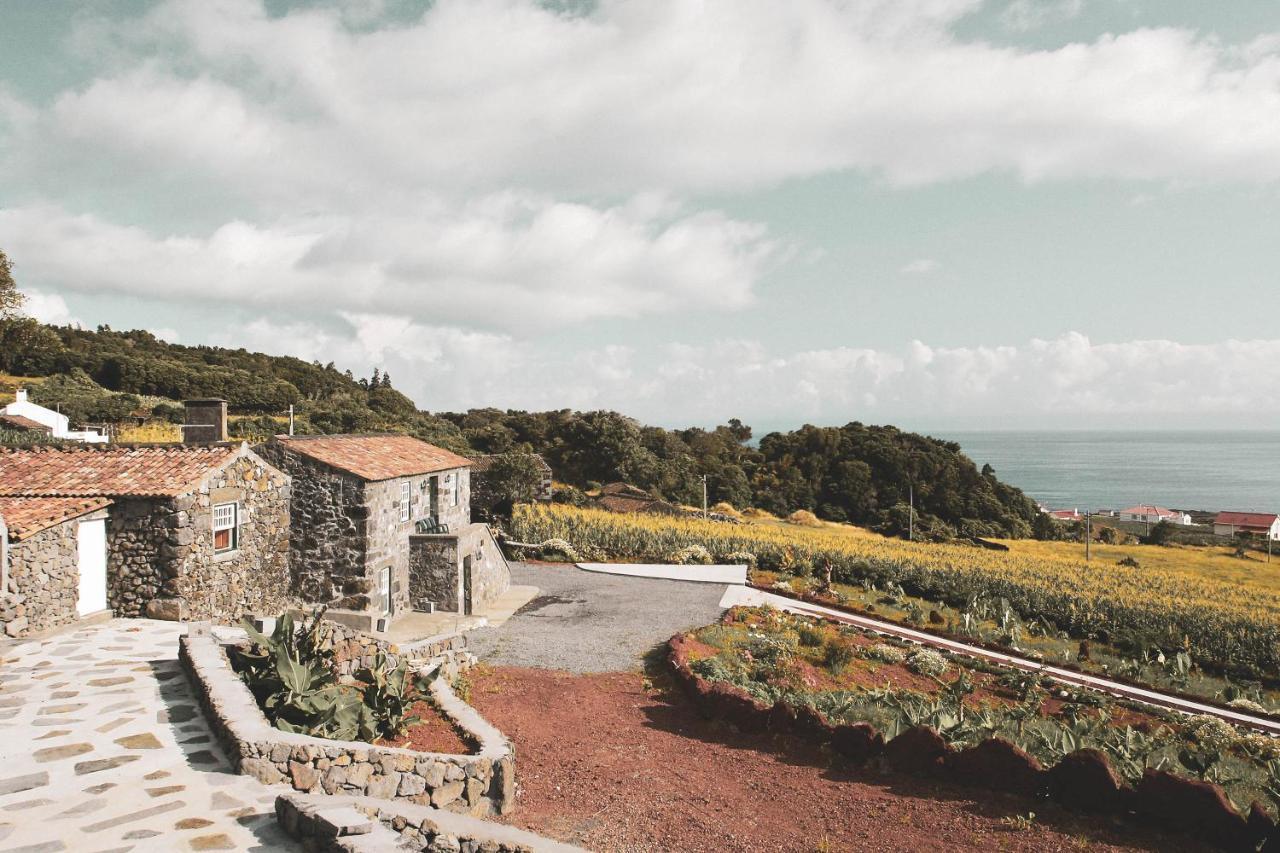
103 748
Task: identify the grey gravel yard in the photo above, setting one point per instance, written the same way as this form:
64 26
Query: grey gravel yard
588 622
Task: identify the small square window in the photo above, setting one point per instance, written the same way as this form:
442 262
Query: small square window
226 527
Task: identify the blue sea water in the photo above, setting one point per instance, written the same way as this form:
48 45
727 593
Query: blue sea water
1111 470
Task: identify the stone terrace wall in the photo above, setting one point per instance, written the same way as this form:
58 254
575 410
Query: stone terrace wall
340 824
255 577
1083 780
478 784
44 577
328 524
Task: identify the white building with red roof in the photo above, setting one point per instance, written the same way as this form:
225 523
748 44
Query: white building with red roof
1265 524
1152 514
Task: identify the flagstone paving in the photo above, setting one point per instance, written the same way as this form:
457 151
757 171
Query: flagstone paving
103 747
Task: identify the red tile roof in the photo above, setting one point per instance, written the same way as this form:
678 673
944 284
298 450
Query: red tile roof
22 423
375 457
1262 520
1148 509
25 517
109 470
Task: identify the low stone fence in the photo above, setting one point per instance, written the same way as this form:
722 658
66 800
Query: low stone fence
1083 780
342 824
479 784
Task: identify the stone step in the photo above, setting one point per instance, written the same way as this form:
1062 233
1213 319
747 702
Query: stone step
379 840
343 821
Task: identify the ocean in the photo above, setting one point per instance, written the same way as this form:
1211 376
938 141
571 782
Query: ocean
1112 470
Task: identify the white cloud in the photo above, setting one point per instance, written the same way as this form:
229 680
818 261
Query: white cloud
48 308
479 94
920 266
504 260
1039 381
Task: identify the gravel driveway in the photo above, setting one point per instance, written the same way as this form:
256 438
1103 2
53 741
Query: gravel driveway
586 622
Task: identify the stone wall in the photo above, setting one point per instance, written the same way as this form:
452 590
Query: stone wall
161 561
143 549
328 523
389 534
436 568
255 577
478 784
433 572
43 580
342 824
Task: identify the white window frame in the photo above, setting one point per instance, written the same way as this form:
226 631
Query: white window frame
220 525
451 488
406 496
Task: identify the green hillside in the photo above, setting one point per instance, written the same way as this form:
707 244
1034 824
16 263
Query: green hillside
855 473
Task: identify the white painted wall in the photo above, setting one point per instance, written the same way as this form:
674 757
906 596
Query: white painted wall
56 422
91 549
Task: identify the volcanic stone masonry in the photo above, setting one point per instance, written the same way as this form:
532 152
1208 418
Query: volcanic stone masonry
43 580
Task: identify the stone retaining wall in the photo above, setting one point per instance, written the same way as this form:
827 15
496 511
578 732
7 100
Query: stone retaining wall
341 824
1084 779
478 784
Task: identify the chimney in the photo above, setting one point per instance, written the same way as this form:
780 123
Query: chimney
205 421
20 396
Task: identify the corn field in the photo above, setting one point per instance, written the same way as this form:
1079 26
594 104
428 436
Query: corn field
1232 626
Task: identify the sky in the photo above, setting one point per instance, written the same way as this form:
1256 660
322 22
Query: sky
946 214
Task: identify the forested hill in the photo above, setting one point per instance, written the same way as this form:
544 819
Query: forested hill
852 473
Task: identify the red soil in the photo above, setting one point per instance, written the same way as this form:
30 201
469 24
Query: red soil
604 763
433 733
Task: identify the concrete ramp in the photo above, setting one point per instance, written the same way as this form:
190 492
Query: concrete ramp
696 574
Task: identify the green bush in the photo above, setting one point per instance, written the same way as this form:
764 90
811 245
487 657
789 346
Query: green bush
838 654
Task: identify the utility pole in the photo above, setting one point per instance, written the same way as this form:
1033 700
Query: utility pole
911 512
704 497
291 419
1088 534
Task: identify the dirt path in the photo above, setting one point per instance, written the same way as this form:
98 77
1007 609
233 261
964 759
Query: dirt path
605 764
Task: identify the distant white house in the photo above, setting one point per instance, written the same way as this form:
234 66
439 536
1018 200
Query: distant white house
1154 514
1253 523
57 424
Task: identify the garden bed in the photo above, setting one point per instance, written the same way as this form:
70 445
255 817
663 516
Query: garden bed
433 732
479 781
920 711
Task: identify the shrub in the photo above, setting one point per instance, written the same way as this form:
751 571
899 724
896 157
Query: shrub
886 653
927 662
744 557
757 514
811 635
838 654
804 518
1130 562
558 550
726 508
690 555
1242 704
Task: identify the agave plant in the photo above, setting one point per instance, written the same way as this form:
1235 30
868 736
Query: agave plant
292 676
389 692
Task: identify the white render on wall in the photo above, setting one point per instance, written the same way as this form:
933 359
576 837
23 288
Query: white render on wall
58 423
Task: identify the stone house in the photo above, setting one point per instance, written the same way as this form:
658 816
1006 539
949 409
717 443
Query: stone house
53 557
191 531
381 525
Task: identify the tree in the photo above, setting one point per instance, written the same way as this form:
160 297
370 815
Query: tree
10 299
512 478
1161 534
